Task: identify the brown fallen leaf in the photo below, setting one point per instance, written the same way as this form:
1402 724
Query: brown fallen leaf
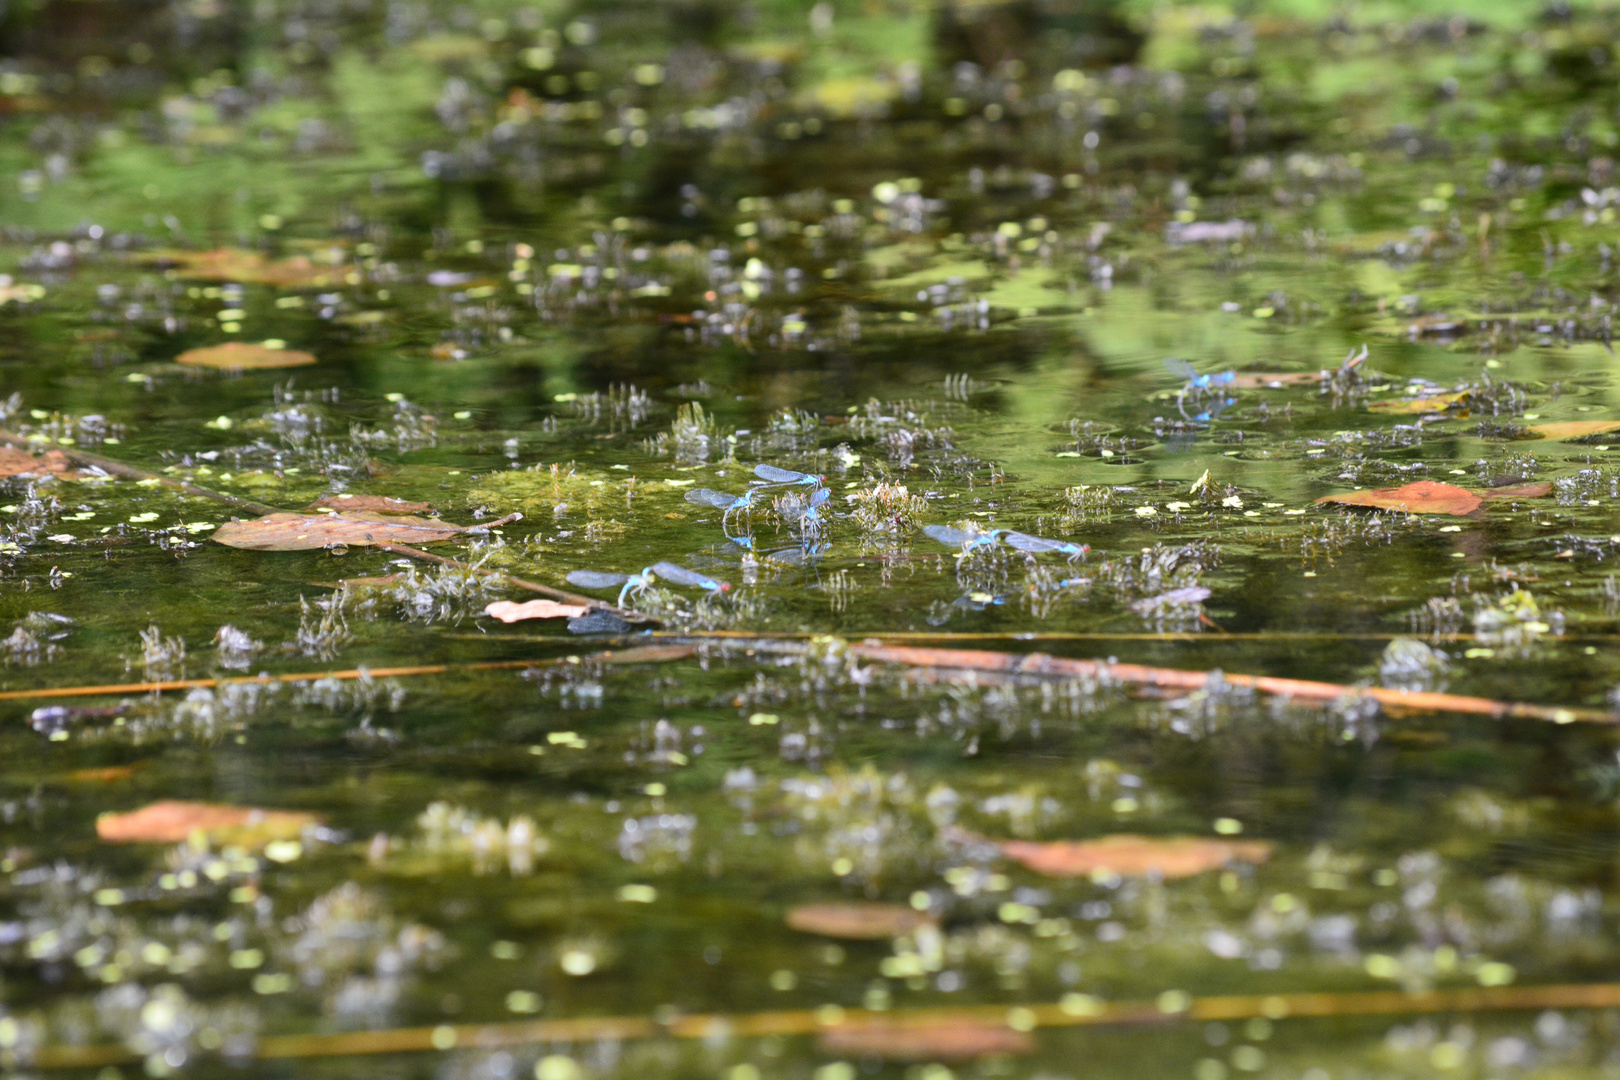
383 582
1521 491
1129 855
1436 326
857 921
936 1039
107 774
1575 429
1261 380
249 267
18 462
173 821
510 612
242 356
368 504
308 532
21 293
1419 497
1434 403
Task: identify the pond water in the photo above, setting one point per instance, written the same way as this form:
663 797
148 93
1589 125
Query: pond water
1144 283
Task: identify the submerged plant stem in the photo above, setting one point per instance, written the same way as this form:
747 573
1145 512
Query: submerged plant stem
946 664
1078 1012
1041 666
650 654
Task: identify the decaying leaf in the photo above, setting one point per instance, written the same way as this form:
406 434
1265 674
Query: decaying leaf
385 581
1575 429
1129 855
368 504
1267 380
174 821
307 532
1519 491
509 612
25 292
940 1038
107 774
249 267
857 921
1416 405
1419 497
18 462
242 356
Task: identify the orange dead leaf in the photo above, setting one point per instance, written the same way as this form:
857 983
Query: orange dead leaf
856 922
1521 491
234 264
1134 856
241 356
1575 429
383 582
1420 497
105 775
510 612
942 1038
1264 380
308 532
368 504
18 462
1436 403
173 821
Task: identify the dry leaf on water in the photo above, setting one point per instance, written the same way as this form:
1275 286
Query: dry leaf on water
307 532
249 267
1134 856
241 356
1575 429
856 922
1521 491
20 293
1406 406
107 774
18 462
1265 380
173 821
385 581
368 504
1421 497
939 1039
510 612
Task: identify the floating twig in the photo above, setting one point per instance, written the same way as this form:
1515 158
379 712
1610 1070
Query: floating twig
1042 666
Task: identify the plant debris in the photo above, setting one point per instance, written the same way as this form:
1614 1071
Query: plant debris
175 821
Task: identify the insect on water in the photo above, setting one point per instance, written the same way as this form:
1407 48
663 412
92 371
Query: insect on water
785 477
1181 369
806 513
680 575
1198 387
723 501
1036 545
967 541
633 584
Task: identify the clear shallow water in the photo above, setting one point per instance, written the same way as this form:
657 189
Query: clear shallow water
931 277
